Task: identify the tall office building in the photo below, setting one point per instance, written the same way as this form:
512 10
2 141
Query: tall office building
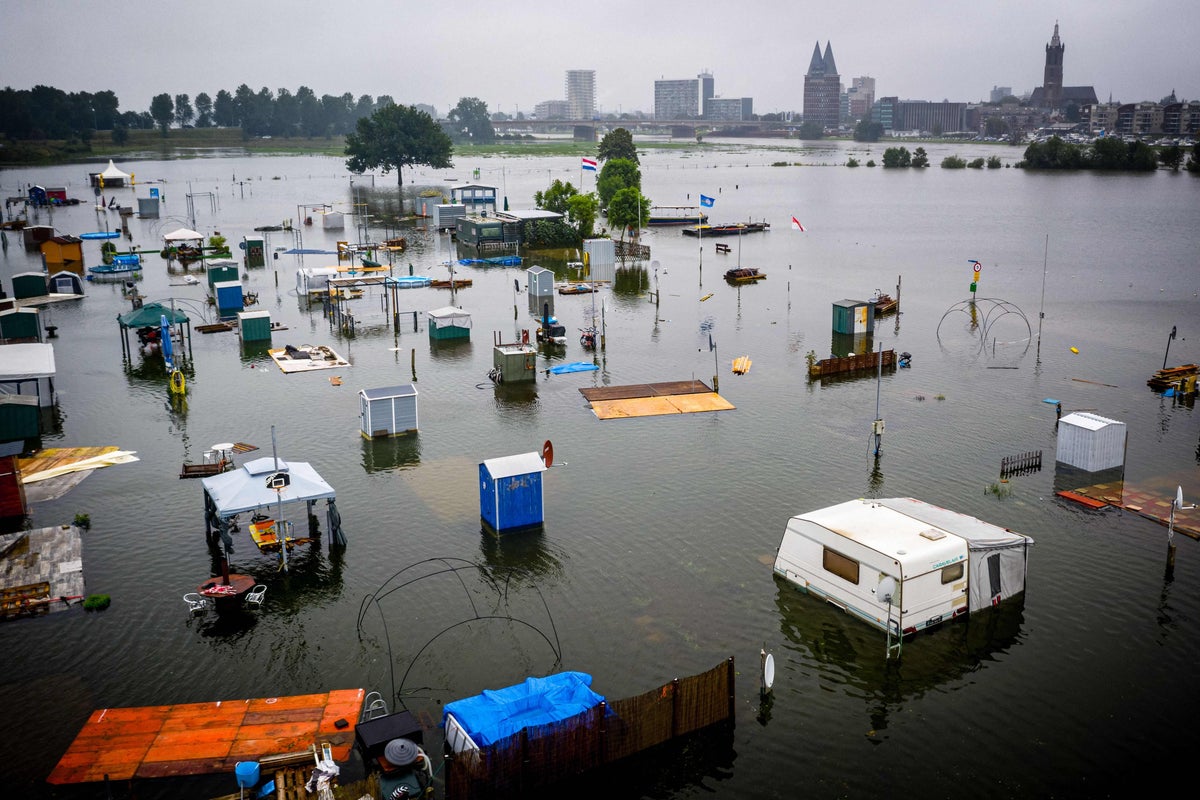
581 93
823 90
706 91
677 99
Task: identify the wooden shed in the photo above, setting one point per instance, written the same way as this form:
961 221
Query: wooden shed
388 411
28 285
510 492
62 250
34 235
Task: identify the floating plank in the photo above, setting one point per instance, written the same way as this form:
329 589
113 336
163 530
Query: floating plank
200 738
1081 499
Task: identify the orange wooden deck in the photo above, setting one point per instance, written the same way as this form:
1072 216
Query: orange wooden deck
199 738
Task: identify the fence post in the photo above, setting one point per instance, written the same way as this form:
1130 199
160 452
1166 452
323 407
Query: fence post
674 707
732 701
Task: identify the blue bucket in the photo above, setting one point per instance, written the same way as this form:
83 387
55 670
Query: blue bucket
247 774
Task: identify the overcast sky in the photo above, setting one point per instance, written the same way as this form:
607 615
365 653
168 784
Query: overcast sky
513 55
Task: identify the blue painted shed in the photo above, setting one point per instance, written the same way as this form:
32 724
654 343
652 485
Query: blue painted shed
510 492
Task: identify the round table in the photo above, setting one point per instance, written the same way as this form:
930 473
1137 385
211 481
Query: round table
227 596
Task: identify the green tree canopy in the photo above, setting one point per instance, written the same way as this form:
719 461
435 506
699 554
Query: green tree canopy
920 158
395 137
867 131
471 121
811 130
204 111
615 175
581 211
556 197
223 110
617 143
1171 157
163 111
628 208
184 114
896 157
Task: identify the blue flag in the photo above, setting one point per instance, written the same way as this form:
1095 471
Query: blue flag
706 201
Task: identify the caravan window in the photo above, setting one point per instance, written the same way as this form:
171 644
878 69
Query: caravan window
952 573
839 565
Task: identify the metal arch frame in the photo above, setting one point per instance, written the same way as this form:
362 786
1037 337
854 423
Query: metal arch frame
1005 308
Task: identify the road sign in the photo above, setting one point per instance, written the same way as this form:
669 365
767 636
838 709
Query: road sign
279 481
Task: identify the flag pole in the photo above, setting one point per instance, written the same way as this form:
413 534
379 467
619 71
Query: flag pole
700 236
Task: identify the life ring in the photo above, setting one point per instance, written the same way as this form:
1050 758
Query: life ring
178 384
548 454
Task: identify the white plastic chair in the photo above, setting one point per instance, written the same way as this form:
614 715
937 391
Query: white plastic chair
196 603
257 595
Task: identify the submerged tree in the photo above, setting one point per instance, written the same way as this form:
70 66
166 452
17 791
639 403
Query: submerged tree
617 143
628 208
395 137
617 174
472 122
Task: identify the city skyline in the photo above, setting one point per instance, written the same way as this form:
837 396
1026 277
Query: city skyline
955 53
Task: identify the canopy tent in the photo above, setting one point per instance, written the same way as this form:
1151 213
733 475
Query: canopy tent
111 176
153 315
184 235
251 488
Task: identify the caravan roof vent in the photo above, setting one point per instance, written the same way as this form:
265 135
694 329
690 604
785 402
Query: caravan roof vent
933 534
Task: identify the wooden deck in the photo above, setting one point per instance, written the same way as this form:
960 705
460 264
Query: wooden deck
200 738
654 399
1152 506
53 458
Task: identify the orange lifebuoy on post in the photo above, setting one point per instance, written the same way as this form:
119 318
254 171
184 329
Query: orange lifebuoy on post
548 453
525 337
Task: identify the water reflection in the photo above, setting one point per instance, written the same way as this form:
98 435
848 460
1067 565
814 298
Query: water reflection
848 656
386 453
522 556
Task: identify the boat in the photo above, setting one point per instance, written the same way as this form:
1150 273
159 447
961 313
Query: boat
265 533
100 235
576 288
730 229
676 215
744 275
114 272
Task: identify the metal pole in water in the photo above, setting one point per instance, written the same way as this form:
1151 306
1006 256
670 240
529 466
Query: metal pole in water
1041 308
877 426
1168 350
280 527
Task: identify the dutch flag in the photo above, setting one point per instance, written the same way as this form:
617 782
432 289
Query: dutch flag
589 164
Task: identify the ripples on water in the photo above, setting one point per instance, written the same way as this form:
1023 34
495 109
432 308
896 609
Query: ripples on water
660 533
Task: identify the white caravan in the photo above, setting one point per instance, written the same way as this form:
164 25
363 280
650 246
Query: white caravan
900 564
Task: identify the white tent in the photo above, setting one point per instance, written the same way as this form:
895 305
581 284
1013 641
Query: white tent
112 173
184 235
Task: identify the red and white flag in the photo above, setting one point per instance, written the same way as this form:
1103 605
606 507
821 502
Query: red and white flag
796 225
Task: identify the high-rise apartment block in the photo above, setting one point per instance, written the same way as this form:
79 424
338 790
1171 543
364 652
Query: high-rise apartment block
581 93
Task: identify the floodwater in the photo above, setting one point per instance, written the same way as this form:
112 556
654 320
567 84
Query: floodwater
655 559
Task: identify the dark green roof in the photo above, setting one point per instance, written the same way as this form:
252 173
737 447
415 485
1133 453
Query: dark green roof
151 314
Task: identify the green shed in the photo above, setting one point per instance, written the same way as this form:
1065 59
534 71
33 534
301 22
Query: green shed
29 284
20 325
255 252
255 326
853 316
449 323
221 272
18 418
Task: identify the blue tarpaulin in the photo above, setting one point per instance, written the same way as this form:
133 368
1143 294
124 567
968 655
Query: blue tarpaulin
574 366
496 714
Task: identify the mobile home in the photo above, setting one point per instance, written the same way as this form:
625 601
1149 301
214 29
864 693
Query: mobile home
900 564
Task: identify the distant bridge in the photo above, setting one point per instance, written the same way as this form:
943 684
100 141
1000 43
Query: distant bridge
585 129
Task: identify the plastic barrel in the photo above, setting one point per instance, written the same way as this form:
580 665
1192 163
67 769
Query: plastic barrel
247 774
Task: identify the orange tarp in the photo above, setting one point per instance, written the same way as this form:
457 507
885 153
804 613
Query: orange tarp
198 738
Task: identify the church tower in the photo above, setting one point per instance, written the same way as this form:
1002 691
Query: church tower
1052 80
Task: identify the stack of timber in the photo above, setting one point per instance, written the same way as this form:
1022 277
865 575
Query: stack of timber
1173 377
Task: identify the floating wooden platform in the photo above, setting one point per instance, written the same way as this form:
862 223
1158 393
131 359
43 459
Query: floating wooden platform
654 399
1151 505
201 738
40 570
306 358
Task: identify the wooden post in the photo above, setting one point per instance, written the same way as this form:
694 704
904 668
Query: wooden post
732 700
674 707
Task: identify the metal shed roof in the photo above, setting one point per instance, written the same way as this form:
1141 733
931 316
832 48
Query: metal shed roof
508 466
246 489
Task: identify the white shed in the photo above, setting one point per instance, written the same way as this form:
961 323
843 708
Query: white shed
28 369
333 221
388 411
1090 442
539 282
311 280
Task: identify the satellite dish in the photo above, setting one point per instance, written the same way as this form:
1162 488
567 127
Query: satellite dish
886 589
653 265
1179 497
548 454
768 671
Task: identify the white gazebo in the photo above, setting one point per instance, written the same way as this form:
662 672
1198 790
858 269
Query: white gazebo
183 235
112 176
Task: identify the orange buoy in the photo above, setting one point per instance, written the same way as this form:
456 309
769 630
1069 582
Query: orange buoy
548 453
